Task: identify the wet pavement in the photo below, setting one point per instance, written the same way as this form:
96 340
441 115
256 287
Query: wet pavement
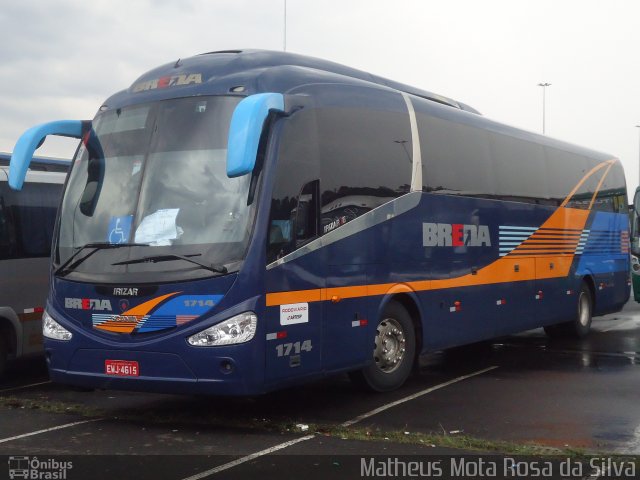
562 393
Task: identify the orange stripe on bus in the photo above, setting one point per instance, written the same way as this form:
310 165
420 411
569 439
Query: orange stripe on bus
604 175
297 296
503 270
146 307
584 179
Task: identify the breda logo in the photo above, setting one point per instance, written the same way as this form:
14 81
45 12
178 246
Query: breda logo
87 304
455 235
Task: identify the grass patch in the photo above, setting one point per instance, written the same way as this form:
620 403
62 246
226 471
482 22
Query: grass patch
454 441
186 419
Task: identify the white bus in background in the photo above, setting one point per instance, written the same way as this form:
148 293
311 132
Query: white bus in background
27 220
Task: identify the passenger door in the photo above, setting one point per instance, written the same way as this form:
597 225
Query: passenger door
365 144
295 274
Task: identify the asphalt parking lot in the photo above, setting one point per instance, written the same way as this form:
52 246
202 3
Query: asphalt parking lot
522 394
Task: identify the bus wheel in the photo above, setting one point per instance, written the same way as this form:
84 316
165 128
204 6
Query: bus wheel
578 327
582 324
393 352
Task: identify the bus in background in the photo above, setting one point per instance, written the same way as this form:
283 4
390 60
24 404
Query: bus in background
635 244
27 220
240 221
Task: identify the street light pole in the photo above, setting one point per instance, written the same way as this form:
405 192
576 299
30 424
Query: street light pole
285 27
544 104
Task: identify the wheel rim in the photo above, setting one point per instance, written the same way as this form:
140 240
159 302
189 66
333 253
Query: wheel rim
584 312
390 345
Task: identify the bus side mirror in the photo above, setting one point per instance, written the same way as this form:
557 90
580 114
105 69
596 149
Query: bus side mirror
30 140
247 123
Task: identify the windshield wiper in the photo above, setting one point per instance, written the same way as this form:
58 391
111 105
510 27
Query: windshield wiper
172 256
67 266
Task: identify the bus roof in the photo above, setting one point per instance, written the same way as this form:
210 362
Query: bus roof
253 71
45 164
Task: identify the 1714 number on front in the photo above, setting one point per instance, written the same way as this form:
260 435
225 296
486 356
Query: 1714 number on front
286 349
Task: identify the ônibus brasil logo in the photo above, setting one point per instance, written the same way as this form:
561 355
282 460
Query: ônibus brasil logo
455 235
34 468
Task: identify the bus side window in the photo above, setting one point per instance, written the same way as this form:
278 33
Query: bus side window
33 212
294 222
5 230
295 198
366 155
306 213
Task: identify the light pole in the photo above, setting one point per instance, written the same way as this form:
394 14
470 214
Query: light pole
285 27
544 103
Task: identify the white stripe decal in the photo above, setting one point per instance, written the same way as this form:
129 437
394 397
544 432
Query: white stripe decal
511 237
373 217
416 154
509 227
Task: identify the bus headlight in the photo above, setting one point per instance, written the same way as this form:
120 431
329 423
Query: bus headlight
52 329
635 266
238 329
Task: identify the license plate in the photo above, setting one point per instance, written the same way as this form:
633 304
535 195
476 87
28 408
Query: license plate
122 368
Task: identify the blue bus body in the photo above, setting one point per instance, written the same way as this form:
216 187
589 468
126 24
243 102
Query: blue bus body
472 228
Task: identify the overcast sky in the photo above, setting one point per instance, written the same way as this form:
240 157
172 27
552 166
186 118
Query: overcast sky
61 58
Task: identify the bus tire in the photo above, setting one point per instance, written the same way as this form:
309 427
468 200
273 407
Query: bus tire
393 352
580 326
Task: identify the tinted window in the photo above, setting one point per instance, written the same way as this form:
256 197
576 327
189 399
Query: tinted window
295 190
612 195
460 159
364 140
520 169
6 242
456 158
31 214
565 171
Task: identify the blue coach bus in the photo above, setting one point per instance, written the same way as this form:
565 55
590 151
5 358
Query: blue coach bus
239 221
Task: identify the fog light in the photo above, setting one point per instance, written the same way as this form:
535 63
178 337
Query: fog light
226 367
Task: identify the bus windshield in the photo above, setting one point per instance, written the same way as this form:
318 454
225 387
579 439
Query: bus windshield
152 179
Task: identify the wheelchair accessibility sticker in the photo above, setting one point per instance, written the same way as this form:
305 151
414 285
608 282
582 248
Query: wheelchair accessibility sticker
119 229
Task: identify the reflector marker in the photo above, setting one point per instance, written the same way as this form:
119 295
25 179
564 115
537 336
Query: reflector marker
502 301
34 310
277 335
359 323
